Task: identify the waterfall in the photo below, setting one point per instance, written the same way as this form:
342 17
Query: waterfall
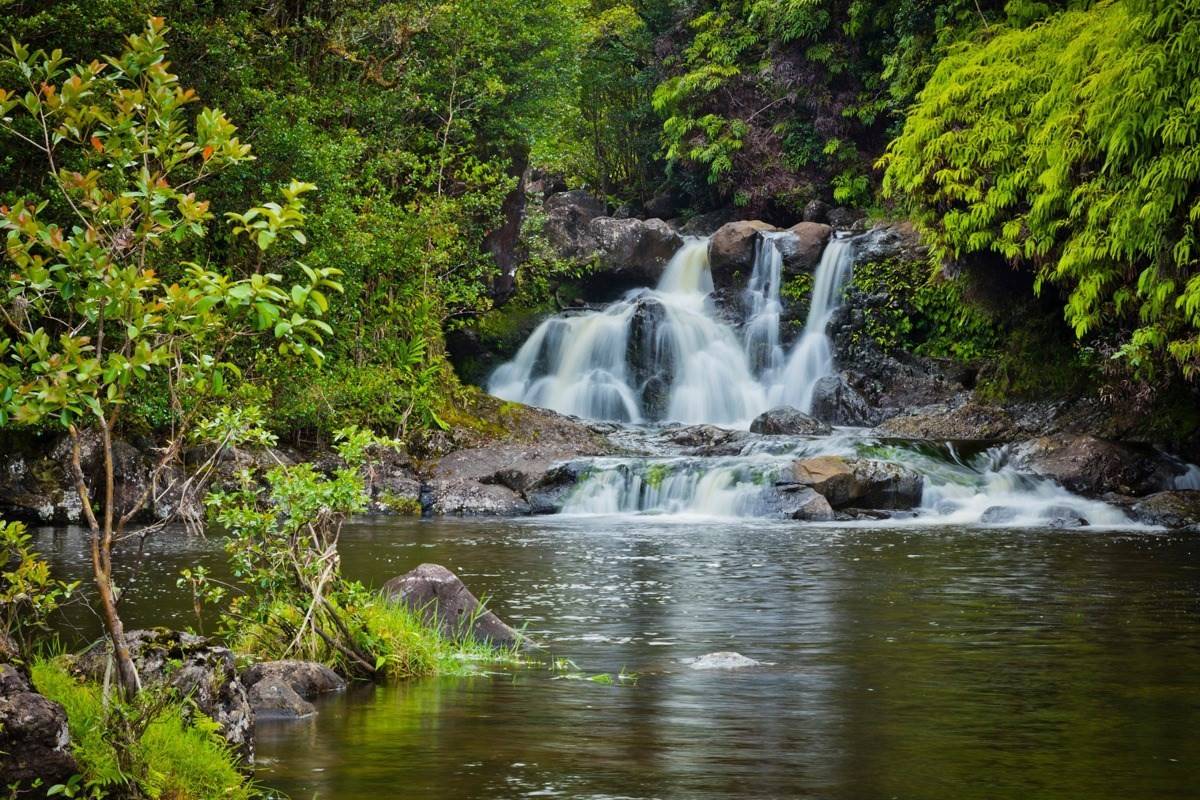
812 357
656 354
663 354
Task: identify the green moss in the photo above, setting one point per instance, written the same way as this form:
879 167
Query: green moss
655 474
403 505
173 758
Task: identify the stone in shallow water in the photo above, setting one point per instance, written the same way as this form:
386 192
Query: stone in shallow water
724 660
997 515
1064 517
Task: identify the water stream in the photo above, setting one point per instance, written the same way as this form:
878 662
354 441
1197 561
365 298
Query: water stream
938 663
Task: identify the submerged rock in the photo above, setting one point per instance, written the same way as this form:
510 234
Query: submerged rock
998 515
283 688
205 673
1172 509
34 739
788 421
1064 517
443 599
724 660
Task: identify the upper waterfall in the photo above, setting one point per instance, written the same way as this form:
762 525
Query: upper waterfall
664 354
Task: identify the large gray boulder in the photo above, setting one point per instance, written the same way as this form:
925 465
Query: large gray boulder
34 739
731 251
634 250
887 241
1172 509
788 421
803 503
197 669
284 688
444 600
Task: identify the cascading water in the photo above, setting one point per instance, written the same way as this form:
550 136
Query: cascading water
664 354
812 357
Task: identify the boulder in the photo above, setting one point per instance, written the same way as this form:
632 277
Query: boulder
843 218
469 498
663 205
802 245
863 483
283 688
707 440
206 673
724 660
731 251
568 219
633 250
1092 466
803 503
444 600
788 421
816 211
1171 509
836 402
34 739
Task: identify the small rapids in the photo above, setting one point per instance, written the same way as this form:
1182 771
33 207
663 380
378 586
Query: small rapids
985 488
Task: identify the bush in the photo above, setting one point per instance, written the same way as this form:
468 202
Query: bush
174 751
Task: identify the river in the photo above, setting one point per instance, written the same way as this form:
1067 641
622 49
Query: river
897 662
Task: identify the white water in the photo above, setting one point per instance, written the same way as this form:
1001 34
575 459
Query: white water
812 357
664 354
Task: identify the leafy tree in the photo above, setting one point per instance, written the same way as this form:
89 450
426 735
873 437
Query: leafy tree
95 303
1069 148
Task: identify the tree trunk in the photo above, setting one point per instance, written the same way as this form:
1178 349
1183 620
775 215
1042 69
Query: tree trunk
101 545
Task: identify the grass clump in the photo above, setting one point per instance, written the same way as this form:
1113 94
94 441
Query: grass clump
157 746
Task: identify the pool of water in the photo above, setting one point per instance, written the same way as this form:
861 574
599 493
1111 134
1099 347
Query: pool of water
897 663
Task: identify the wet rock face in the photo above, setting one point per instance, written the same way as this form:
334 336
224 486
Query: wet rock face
1171 509
649 362
795 501
860 483
1092 466
887 241
283 688
205 673
34 740
787 421
568 217
945 423
837 402
443 599
548 494
634 250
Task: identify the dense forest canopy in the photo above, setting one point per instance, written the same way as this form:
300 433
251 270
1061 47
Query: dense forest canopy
1053 140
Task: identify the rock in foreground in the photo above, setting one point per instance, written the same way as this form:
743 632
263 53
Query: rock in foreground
34 741
860 482
444 600
1176 509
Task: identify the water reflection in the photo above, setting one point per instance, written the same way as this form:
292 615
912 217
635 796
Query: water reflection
899 663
